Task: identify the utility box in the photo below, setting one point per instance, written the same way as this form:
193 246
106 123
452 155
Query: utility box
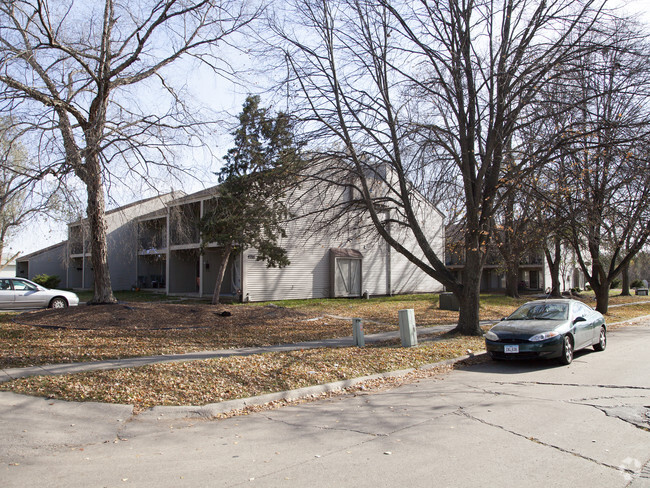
407 332
357 333
448 301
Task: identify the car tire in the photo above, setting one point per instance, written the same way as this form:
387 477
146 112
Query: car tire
602 340
58 302
567 351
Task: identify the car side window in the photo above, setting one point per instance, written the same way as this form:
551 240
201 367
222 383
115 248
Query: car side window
581 310
5 285
21 285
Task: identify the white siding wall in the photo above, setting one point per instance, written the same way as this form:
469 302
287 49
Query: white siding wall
306 277
407 277
9 271
384 271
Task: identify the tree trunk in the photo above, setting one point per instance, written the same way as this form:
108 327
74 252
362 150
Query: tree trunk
510 258
512 278
625 276
602 296
220 273
103 292
554 269
468 295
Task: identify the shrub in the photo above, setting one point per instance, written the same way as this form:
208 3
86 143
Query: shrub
48 281
637 284
615 284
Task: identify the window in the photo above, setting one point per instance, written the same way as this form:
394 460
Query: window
22 285
581 310
541 311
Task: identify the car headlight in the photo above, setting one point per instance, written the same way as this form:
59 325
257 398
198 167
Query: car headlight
543 336
491 336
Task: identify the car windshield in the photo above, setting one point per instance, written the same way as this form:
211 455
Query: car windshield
541 311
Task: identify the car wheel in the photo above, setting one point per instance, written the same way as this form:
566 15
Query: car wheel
602 340
567 350
58 302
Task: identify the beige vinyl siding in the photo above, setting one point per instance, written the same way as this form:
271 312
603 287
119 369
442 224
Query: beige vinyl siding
51 261
406 277
384 271
306 277
375 266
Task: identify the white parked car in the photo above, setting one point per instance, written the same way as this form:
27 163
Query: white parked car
19 293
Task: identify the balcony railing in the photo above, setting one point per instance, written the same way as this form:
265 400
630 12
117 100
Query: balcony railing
152 242
78 248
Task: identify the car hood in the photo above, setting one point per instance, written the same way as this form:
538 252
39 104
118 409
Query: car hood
526 328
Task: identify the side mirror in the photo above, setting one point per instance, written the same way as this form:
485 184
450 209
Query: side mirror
579 319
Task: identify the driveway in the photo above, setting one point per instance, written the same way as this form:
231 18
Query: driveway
507 424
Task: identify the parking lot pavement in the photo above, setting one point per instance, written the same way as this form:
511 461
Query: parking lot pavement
508 424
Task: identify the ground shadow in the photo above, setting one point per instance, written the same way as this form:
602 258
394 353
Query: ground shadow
515 366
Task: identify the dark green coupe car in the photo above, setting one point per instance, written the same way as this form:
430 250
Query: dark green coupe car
547 329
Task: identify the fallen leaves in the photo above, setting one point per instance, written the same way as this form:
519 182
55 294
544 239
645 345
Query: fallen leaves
141 329
216 380
98 333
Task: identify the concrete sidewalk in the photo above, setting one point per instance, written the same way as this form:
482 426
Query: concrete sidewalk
70 368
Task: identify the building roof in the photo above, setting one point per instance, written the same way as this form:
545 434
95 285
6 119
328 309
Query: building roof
26 257
207 193
172 196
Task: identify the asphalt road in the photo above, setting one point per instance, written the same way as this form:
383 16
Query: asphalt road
494 424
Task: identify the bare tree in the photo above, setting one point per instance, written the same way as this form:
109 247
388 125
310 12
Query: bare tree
25 190
517 234
640 266
418 94
72 74
606 165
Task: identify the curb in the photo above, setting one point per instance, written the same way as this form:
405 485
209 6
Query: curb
213 410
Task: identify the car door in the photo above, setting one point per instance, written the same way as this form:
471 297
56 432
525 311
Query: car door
595 322
6 294
26 295
583 326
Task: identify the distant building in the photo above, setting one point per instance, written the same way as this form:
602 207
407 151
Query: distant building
533 271
9 269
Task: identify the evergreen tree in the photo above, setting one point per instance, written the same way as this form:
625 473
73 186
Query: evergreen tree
251 206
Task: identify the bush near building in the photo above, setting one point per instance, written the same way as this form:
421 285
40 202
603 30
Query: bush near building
48 281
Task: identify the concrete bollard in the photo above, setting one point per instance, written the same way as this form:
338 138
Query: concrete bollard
407 332
357 333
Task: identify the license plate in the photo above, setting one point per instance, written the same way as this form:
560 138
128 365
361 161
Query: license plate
511 349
